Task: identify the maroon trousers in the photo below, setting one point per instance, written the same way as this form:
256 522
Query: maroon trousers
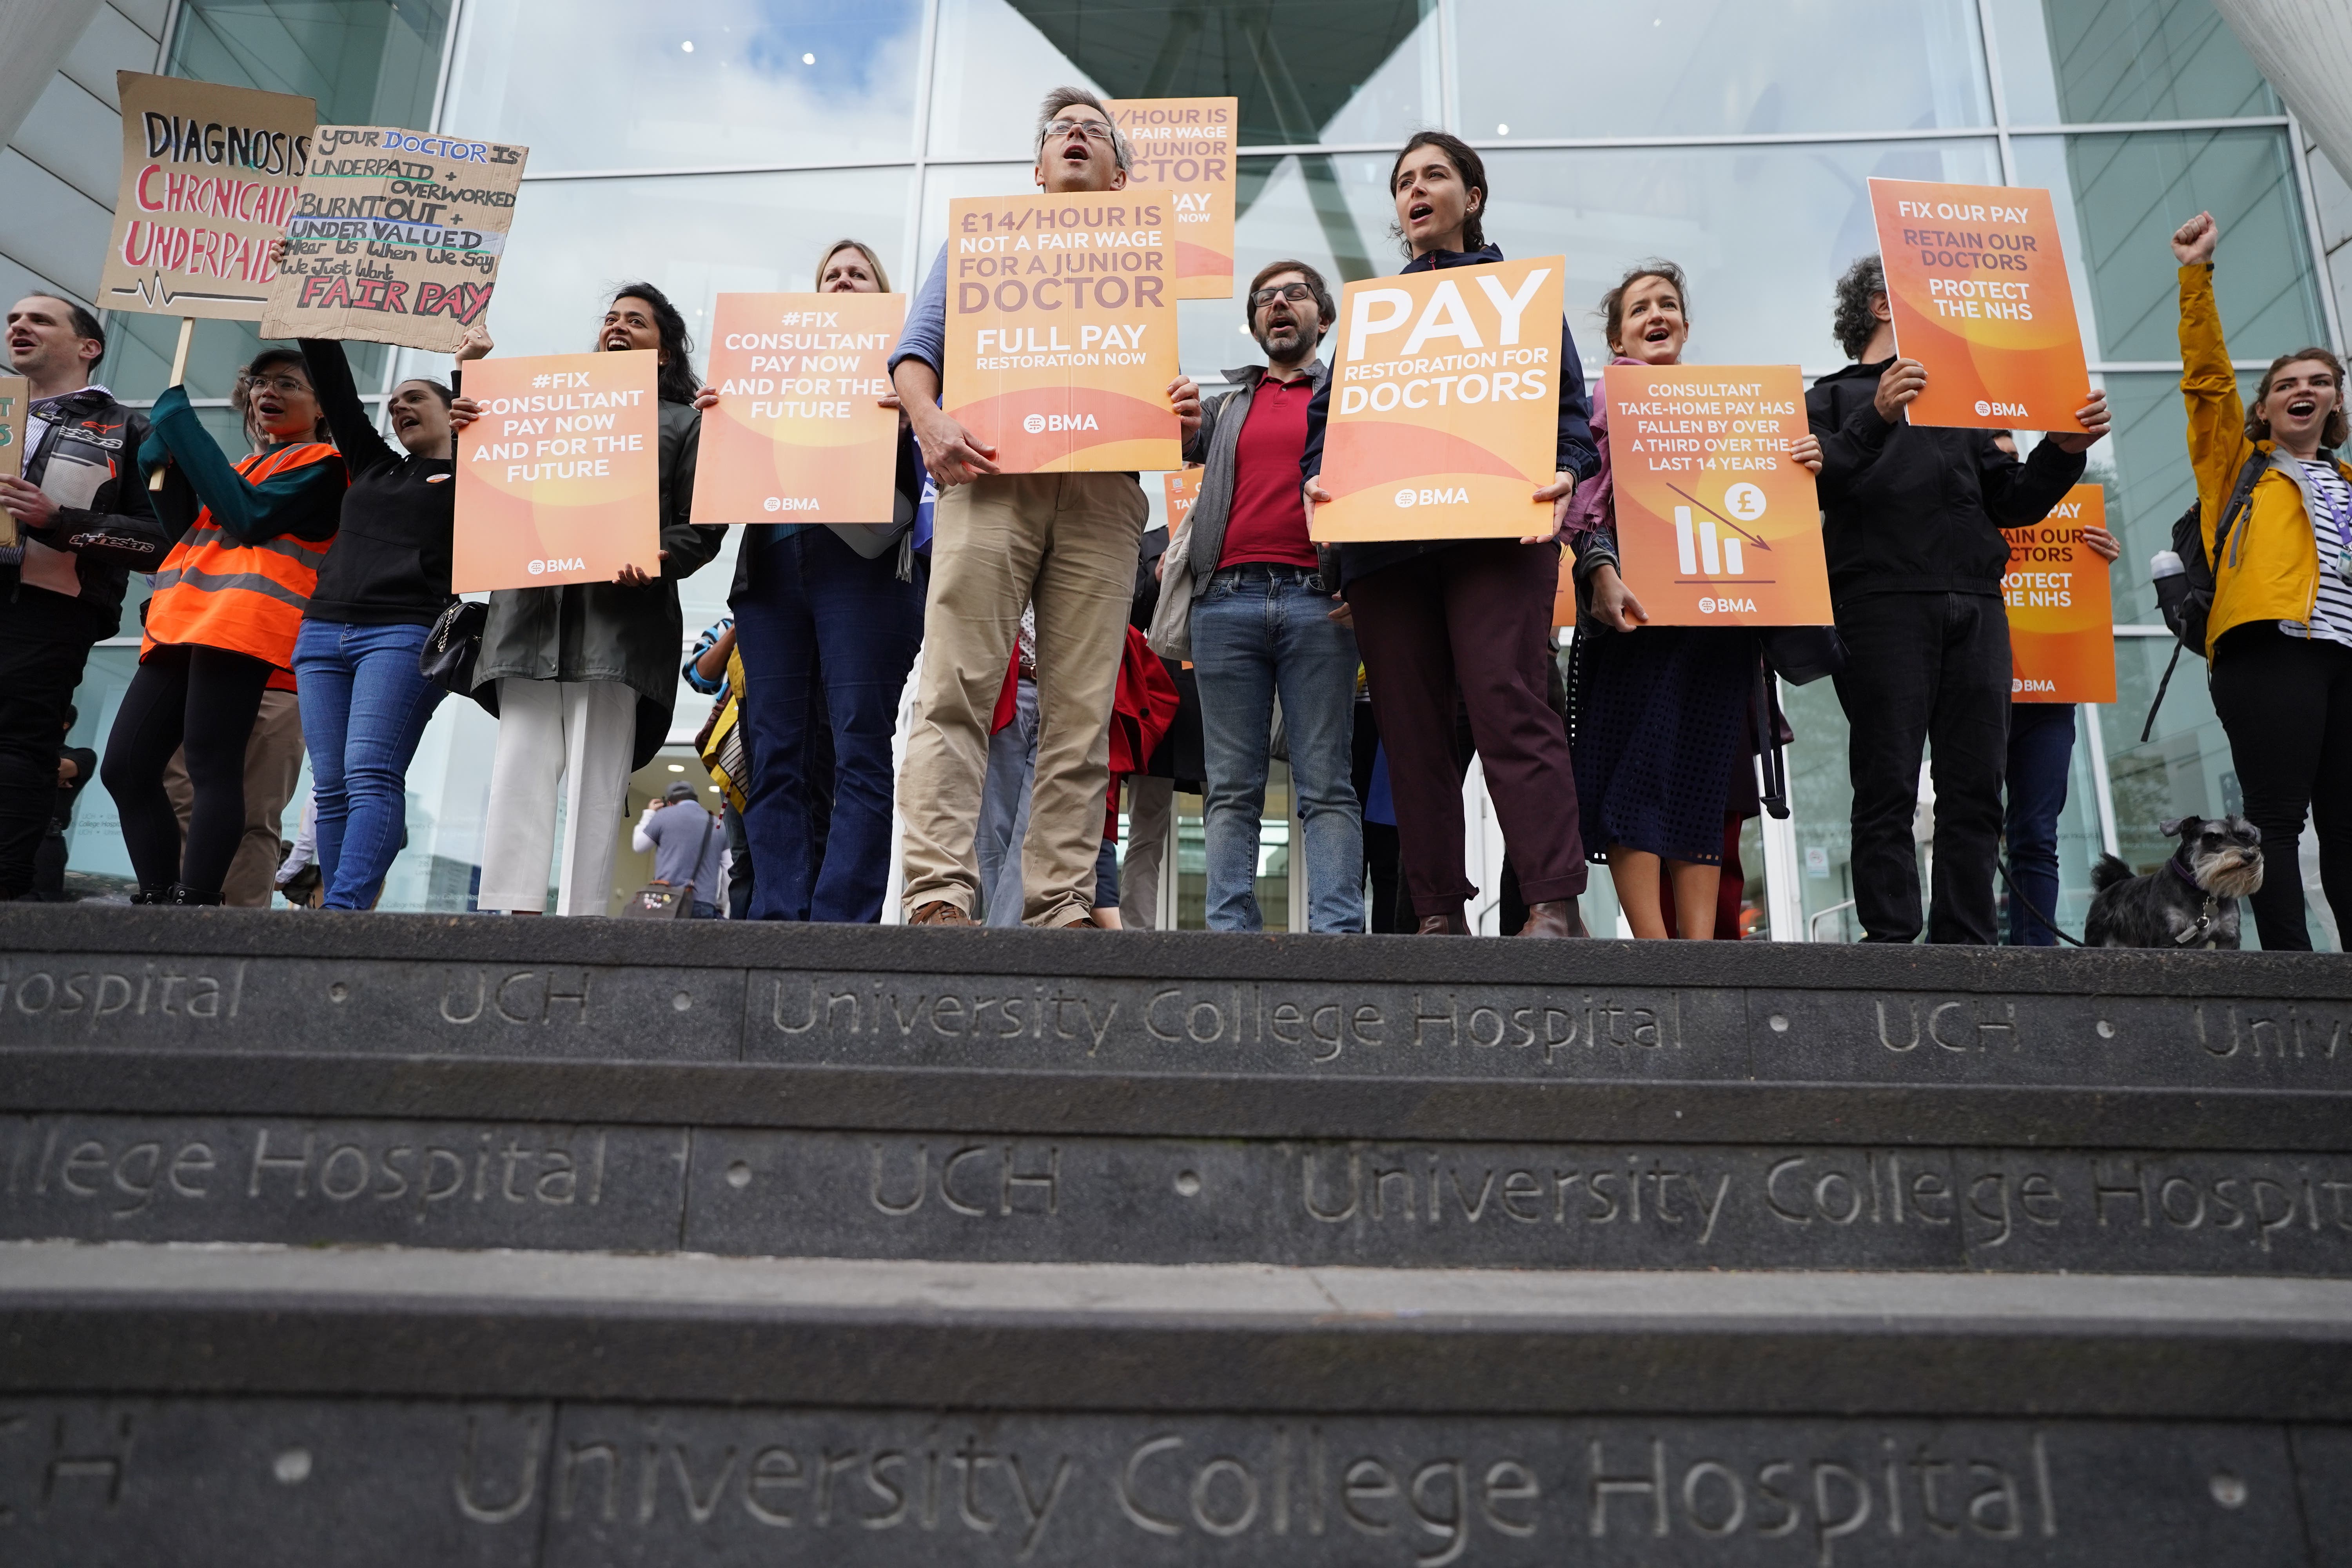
1475 616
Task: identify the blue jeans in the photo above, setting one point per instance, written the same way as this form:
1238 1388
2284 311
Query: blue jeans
1004 810
821 627
363 710
2040 753
1259 631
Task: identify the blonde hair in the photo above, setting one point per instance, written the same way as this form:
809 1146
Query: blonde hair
864 249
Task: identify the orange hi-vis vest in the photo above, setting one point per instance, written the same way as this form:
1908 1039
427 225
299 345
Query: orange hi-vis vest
212 591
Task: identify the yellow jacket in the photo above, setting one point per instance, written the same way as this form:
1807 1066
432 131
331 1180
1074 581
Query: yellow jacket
2270 571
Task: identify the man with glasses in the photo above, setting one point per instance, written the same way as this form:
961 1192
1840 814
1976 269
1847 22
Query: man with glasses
82 519
1067 542
1266 622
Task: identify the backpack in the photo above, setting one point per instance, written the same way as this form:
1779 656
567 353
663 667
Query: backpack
2187 614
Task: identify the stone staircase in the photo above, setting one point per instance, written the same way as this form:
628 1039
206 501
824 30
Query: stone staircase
405 1239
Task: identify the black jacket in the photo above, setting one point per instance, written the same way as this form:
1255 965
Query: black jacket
1917 509
1576 454
88 462
389 565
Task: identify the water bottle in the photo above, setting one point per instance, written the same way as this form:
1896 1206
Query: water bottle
2171 581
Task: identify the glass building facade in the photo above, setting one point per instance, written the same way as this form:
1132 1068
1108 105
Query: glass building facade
724 144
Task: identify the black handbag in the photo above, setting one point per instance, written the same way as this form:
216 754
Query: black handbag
452 646
1803 655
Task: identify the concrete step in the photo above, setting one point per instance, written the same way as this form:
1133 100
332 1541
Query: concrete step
201 1405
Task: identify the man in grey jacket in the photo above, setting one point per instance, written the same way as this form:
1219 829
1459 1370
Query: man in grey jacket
1266 620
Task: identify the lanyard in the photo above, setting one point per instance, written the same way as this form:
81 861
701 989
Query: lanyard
2339 513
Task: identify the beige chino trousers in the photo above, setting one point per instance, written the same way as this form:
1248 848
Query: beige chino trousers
1068 543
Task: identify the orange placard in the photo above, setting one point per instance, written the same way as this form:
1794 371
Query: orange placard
1717 524
1184 150
2061 640
1977 279
560 479
798 436
1183 488
1445 405
1060 338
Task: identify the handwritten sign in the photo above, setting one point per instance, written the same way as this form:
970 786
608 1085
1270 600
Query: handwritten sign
2062 642
209 176
1183 488
1184 149
396 238
1445 405
560 479
1061 336
1717 524
798 436
1977 280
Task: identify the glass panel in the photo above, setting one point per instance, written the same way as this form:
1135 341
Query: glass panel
367 63
2120 199
729 81
1702 68
1191 865
2077 61
1821 803
1305 70
2144 467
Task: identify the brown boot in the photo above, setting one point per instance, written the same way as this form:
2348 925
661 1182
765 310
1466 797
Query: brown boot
940 913
1562 918
1449 923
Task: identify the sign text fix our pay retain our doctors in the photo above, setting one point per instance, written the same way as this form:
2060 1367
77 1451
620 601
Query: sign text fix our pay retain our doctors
1061 339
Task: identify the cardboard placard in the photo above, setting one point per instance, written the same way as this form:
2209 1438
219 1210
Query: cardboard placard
1717 524
1445 405
798 435
2061 640
1060 338
1976 276
560 479
396 238
1184 149
1183 488
16 414
209 176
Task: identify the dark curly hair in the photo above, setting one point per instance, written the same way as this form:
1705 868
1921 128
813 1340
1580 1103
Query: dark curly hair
2337 430
1856 321
1314 286
1467 164
1613 304
677 382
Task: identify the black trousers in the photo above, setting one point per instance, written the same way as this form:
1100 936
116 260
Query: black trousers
1926 670
2286 703
43 650
203 698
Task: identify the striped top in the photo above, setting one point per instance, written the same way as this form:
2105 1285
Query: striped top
2331 523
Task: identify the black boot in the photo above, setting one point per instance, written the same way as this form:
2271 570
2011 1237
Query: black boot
146 895
183 894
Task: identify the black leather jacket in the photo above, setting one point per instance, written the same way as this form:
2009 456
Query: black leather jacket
88 462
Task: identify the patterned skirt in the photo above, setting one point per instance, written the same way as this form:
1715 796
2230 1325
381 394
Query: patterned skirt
1660 723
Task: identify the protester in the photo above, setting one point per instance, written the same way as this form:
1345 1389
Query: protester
1661 726
1434 617
273 770
364 703
2280 631
76 765
708 670
1069 542
222 621
585 674
1264 622
1912 516
2040 756
829 634
681 836
80 485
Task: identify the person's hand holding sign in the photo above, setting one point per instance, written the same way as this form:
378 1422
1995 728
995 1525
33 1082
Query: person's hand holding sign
27 503
1184 396
2094 418
1614 603
1899 388
1805 452
1562 487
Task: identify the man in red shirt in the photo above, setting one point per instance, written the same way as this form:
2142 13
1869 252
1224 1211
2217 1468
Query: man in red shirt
1266 620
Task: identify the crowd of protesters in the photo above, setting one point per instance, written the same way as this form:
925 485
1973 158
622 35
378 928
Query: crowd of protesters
315 566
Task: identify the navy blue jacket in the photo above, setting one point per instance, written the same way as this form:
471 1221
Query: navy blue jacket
1576 455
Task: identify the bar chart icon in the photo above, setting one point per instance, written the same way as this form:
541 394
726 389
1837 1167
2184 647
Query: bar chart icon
1698 549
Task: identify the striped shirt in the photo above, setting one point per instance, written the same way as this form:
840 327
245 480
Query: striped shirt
2331 521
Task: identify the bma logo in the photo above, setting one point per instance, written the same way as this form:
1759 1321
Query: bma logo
557 564
1457 496
1986 409
2031 683
791 503
1726 606
1699 550
1039 424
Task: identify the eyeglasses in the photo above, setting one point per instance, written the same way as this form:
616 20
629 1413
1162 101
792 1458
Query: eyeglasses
1296 293
284 386
1093 130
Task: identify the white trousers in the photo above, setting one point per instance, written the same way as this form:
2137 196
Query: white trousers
578 732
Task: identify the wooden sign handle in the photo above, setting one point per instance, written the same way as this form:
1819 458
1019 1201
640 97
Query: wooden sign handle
179 375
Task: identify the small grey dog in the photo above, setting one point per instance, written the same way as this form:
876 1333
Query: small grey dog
2190 901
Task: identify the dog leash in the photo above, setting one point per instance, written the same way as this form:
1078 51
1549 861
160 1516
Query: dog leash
2001 864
